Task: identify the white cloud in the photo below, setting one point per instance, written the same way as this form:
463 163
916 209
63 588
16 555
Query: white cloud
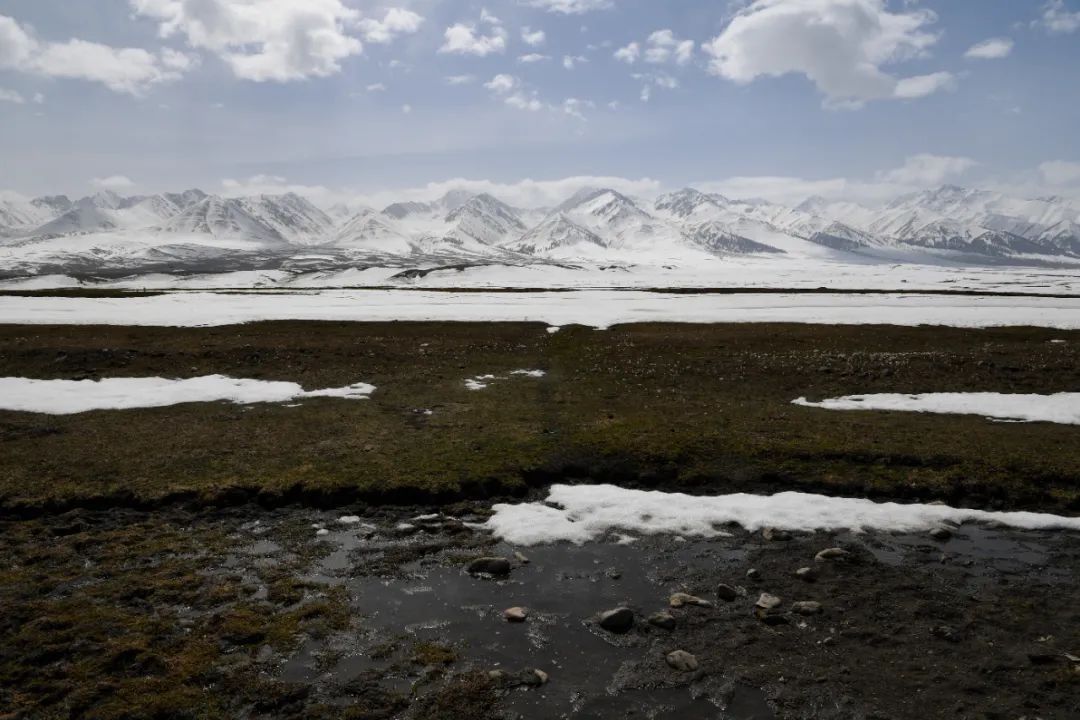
266 40
992 49
407 109
533 58
525 101
1059 172
39 98
570 7
113 182
376 87
628 54
663 46
571 61
11 96
395 23
575 107
510 89
502 83
533 38
468 39
277 185
123 70
526 193
925 170
839 45
460 79
923 85
1057 18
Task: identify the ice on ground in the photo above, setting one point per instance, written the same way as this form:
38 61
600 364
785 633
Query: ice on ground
582 513
595 308
66 397
1058 408
481 382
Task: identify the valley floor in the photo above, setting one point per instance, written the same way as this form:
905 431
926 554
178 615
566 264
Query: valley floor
189 560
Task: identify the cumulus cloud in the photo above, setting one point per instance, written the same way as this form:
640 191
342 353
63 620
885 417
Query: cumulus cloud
1057 18
992 49
839 45
272 40
1060 172
122 70
925 169
628 54
113 182
570 7
572 61
533 38
513 93
395 23
663 46
470 39
502 83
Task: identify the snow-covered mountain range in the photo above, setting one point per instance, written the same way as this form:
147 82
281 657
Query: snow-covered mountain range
193 231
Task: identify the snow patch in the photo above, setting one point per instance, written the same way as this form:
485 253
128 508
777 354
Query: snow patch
66 397
481 382
582 513
1061 408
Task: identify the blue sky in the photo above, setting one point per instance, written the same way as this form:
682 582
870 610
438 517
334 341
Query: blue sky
778 98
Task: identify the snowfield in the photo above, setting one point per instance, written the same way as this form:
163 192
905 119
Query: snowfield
584 513
1061 408
595 308
67 397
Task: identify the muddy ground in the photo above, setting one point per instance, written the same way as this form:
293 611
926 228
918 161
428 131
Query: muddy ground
168 563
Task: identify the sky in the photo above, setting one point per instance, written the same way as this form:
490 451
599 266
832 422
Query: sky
780 99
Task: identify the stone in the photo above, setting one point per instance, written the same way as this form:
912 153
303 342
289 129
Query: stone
494 566
770 618
753 574
806 574
726 593
533 678
941 534
768 601
663 620
679 600
774 535
521 558
806 607
619 620
541 675
682 661
834 553
515 614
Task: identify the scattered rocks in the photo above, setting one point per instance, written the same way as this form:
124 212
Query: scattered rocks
774 535
515 614
806 607
663 620
768 601
726 593
806 574
682 661
494 566
941 534
833 553
679 600
619 620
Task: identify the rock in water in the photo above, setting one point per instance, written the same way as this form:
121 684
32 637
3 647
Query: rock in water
726 593
619 620
680 599
496 567
834 553
806 607
682 661
515 614
663 620
775 535
768 602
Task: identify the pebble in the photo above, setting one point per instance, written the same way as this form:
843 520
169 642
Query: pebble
663 620
619 620
534 678
768 601
753 574
806 573
940 533
806 607
770 618
775 535
682 661
726 593
321 532
515 614
833 553
521 558
680 599
498 567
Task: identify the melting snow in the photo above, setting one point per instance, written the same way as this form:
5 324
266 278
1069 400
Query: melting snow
481 382
66 397
1060 408
588 512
